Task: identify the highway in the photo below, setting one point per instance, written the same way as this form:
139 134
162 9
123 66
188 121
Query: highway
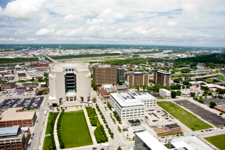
38 129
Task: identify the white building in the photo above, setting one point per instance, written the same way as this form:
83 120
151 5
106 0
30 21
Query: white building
145 141
131 105
69 82
148 100
165 93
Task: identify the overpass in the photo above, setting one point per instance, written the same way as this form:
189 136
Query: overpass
206 76
50 59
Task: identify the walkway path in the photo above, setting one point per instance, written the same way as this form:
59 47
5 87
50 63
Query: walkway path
55 133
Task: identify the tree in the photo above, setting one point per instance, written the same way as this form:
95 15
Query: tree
32 79
137 87
173 94
144 87
192 94
119 148
178 93
212 104
94 99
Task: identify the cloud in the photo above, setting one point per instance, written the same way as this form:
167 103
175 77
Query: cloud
7 39
23 9
75 32
172 23
31 39
71 17
107 16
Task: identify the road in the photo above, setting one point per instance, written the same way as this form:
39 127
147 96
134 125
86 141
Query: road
38 129
118 139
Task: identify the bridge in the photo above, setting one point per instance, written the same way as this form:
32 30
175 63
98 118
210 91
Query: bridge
206 76
50 59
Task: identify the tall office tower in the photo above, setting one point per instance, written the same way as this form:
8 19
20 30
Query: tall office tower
120 74
162 78
137 78
69 82
104 74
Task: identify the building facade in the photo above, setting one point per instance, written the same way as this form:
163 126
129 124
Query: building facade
137 78
104 74
15 116
69 82
162 78
121 74
13 138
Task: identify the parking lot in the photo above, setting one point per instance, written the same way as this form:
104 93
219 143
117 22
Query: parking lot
206 115
34 102
217 100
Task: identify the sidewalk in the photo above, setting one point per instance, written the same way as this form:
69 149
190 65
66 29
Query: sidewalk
55 133
89 127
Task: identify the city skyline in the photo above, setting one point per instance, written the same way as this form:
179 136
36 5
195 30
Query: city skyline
183 23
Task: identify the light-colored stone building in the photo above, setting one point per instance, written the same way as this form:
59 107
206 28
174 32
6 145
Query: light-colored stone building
69 82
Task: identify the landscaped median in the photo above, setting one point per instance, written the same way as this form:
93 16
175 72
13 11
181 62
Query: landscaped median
218 141
99 132
49 142
188 119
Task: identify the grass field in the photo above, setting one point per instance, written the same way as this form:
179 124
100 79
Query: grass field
220 77
210 80
74 130
218 141
184 116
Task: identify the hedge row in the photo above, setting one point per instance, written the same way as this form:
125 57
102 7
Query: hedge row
110 107
117 116
58 130
49 143
100 134
92 116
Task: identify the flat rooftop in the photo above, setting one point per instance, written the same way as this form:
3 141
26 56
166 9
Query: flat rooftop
125 99
11 114
143 95
172 126
151 141
69 64
137 73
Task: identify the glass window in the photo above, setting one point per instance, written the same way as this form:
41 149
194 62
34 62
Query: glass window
69 69
72 69
66 69
71 98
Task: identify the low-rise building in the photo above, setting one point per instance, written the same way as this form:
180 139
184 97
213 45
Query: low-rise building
17 116
167 129
165 93
14 138
8 85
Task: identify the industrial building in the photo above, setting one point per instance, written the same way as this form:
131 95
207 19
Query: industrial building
17 116
131 105
14 138
137 78
104 74
162 78
69 82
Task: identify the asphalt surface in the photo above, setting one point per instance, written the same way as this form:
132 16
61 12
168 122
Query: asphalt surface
203 113
38 129
34 102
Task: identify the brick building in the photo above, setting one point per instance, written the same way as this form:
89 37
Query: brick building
167 129
16 116
137 78
104 74
14 138
162 78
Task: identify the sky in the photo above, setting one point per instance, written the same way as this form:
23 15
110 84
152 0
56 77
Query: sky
148 22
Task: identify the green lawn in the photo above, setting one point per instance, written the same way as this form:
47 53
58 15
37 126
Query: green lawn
210 80
184 116
220 77
218 141
74 130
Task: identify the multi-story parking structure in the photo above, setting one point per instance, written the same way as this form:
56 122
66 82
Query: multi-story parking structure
131 105
69 82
